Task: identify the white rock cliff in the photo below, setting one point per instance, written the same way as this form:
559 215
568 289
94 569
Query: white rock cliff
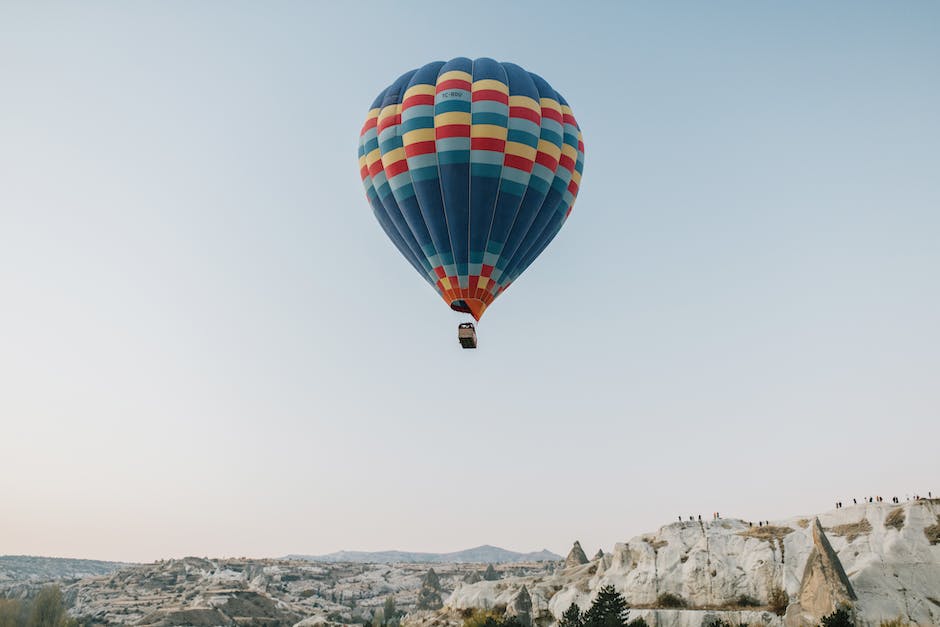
880 559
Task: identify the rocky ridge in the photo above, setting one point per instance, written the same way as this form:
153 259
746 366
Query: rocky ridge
880 559
203 592
485 554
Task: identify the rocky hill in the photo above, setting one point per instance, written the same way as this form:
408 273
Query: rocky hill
28 567
258 592
485 554
881 559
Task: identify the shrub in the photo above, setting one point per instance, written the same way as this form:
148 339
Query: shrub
894 622
11 613
668 599
489 618
778 600
637 622
839 618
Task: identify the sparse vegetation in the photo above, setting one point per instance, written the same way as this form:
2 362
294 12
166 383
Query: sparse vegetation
714 621
895 519
894 622
778 600
47 609
933 532
745 600
851 531
668 599
767 532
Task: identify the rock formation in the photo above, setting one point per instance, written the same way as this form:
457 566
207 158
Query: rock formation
824 587
599 554
490 573
429 596
576 556
472 577
520 606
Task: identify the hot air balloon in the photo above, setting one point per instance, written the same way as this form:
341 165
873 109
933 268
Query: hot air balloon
471 167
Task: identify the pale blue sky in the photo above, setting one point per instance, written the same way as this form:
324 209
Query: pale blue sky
207 345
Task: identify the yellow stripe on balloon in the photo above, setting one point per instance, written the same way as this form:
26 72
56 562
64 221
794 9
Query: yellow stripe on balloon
392 156
524 101
418 135
550 103
549 148
418 90
520 150
454 75
490 83
488 130
569 151
451 117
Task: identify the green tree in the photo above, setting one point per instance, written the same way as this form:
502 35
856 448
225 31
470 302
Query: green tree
572 617
839 618
609 609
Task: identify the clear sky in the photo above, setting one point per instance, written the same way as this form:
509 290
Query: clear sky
208 346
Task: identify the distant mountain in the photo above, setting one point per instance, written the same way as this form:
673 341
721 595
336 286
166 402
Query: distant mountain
485 554
27 567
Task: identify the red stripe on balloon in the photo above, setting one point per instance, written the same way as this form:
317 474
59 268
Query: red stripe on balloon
454 83
391 120
552 114
490 94
396 168
370 123
416 100
420 148
488 143
452 130
520 163
525 113
547 160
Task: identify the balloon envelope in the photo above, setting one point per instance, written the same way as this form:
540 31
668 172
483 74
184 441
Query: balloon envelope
471 168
